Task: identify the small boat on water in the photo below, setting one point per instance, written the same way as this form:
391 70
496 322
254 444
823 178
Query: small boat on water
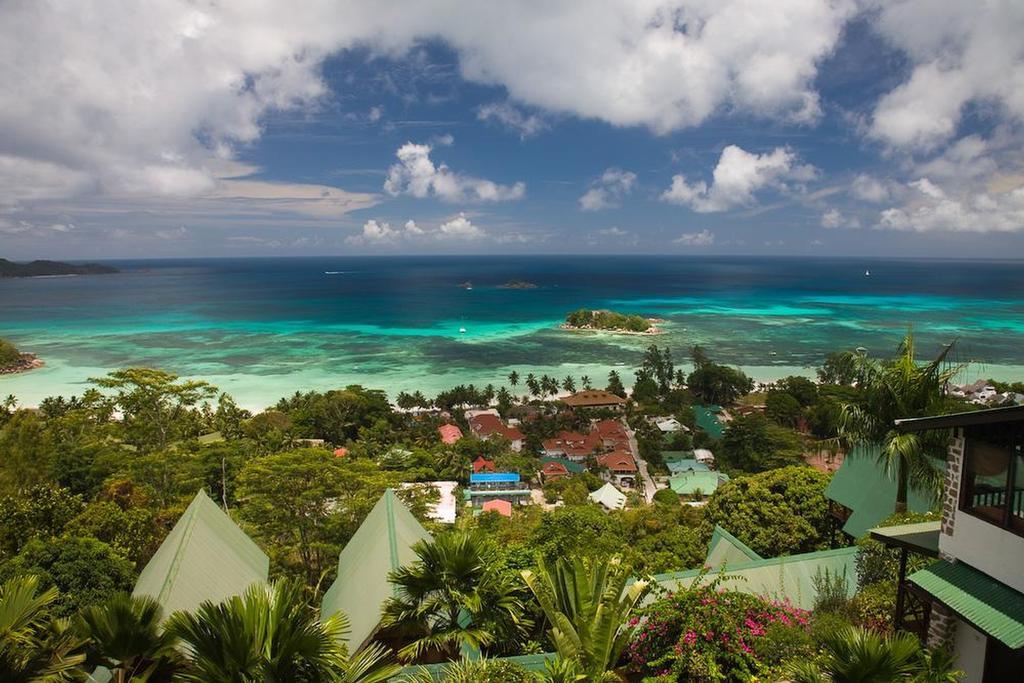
867 273
462 330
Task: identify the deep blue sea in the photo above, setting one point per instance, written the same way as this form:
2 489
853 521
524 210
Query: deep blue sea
263 328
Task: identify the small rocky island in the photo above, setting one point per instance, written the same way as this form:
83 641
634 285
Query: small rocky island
51 268
610 321
518 284
12 360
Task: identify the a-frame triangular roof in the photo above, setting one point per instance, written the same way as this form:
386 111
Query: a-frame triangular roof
205 557
382 544
609 496
724 548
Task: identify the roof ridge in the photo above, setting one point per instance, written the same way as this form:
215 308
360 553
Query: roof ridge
192 514
722 532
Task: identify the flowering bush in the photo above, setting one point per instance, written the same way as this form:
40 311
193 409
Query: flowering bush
707 634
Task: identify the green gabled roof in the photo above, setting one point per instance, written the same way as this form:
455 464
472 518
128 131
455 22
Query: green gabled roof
920 537
992 607
862 485
570 466
724 548
790 577
205 557
382 544
687 483
706 417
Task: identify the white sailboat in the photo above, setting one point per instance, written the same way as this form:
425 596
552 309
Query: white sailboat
867 273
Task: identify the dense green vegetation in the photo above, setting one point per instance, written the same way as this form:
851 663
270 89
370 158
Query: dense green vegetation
585 318
90 485
9 353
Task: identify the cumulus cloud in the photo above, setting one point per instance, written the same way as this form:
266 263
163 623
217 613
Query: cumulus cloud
525 125
416 175
704 238
834 218
460 227
869 189
961 53
376 232
930 208
737 177
174 86
608 191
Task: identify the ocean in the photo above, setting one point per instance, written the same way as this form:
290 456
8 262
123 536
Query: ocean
265 328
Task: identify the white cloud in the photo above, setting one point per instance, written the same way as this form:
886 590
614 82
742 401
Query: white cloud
172 86
833 218
375 114
961 53
525 125
412 229
704 238
614 231
608 191
460 227
738 175
173 234
931 208
374 233
869 189
416 175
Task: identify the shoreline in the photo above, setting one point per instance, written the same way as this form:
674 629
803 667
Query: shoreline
27 363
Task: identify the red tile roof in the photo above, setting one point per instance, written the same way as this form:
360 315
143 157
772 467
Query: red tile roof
617 462
574 443
485 424
449 433
554 469
502 507
481 465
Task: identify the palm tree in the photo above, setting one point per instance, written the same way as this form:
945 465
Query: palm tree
585 381
125 636
34 646
452 596
855 655
513 379
894 389
569 384
532 384
588 602
270 633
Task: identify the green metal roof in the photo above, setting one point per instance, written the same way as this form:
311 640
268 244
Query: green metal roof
862 485
205 557
989 605
922 537
790 577
672 456
687 483
382 544
685 464
573 467
706 418
724 548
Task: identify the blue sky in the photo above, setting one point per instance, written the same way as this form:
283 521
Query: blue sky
733 127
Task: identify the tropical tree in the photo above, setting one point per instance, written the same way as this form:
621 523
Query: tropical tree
34 646
270 633
585 381
452 597
125 635
588 603
569 384
513 379
895 389
532 385
854 655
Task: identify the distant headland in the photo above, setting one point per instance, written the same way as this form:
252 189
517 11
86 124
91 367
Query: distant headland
51 268
609 321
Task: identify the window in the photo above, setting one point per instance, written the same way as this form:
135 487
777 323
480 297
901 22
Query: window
993 483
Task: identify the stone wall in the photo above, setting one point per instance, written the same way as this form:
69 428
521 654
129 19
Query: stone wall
951 491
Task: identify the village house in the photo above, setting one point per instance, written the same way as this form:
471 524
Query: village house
497 485
484 425
618 467
449 433
482 465
594 398
553 469
972 596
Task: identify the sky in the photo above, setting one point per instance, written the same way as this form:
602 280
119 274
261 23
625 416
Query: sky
172 128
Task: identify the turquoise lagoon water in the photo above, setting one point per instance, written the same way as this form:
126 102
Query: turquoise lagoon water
264 328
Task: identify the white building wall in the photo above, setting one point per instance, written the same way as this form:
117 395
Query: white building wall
969 648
